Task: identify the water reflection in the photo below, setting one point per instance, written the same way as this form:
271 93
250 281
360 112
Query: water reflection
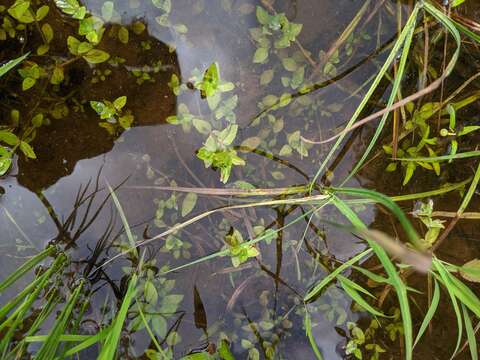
75 158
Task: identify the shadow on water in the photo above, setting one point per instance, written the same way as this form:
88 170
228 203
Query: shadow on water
61 198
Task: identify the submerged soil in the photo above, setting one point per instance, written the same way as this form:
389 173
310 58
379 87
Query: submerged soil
62 196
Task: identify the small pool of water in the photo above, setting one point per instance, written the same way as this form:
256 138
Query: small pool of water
62 197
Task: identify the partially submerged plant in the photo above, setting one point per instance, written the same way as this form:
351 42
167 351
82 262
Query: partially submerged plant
116 118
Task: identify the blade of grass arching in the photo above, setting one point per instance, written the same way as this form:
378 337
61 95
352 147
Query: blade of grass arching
354 285
390 205
26 267
151 334
464 293
372 276
391 57
50 347
462 155
430 313
316 290
445 280
475 37
110 345
11 64
415 196
470 192
448 23
126 226
394 277
432 193
357 297
409 30
380 279
472 341
311 339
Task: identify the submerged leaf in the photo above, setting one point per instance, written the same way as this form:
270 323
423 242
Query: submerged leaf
189 203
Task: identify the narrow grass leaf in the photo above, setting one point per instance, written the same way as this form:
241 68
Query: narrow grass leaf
472 341
26 267
311 339
358 299
11 64
397 283
316 290
430 313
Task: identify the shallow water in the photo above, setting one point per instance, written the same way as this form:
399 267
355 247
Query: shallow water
261 301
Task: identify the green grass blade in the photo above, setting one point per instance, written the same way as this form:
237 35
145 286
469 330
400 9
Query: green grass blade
430 313
52 344
150 333
462 155
407 36
372 276
472 341
316 290
308 330
391 57
125 223
88 341
357 298
445 279
11 64
389 204
471 191
26 267
110 346
61 338
47 309
394 277
354 285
